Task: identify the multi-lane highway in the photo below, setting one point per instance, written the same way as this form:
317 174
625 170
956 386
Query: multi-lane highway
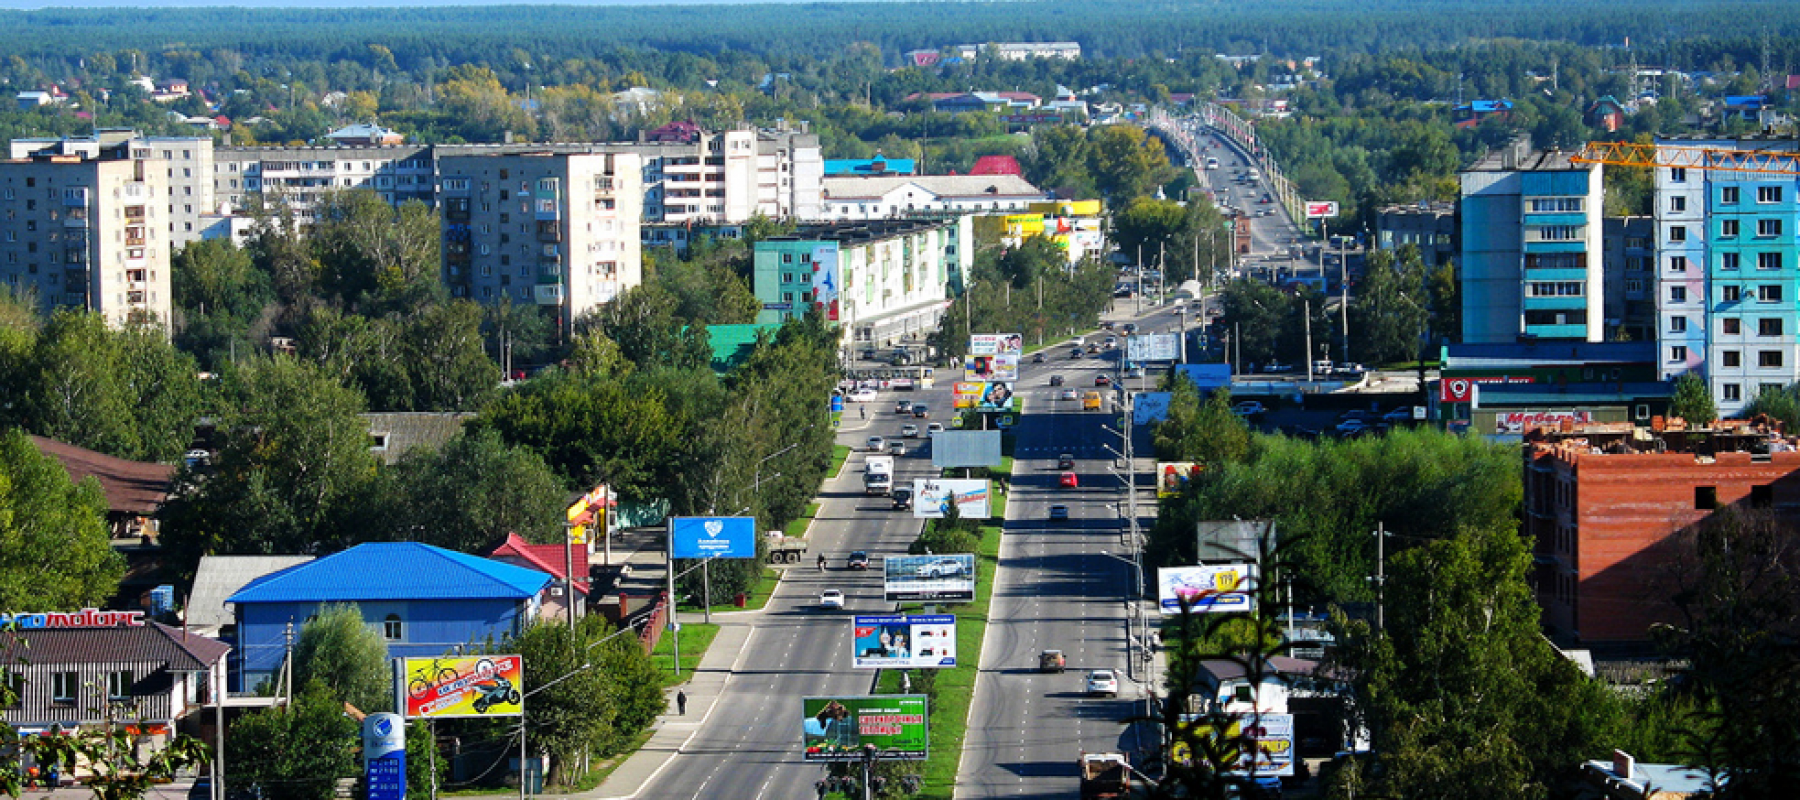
749 747
1063 584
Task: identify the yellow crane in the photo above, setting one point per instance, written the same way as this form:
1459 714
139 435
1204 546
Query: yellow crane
1633 154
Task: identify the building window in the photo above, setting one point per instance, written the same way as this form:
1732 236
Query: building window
1768 358
1731 326
64 687
1768 261
1677 233
1678 203
118 685
1678 175
390 628
1768 194
1678 294
1768 227
1769 292
1678 324
1678 263
1728 261
1706 497
1731 358
1768 326
1728 227
1730 294
1731 392
1728 195
1678 353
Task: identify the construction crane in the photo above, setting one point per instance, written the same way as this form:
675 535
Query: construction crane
1632 154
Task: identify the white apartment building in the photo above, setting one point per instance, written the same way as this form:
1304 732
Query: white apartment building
245 176
869 198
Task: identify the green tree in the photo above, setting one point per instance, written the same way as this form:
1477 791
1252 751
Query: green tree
1778 403
1390 310
1127 162
1147 229
125 393
338 648
1257 316
1202 430
58 552
444 356
294 752
473 492
1693 401
574 714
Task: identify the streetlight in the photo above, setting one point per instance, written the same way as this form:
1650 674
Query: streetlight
585 666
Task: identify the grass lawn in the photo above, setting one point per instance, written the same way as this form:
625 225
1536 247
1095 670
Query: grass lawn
759 596
695 638
840 453
797 528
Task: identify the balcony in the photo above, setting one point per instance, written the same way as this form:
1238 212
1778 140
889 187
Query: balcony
549 231
548 295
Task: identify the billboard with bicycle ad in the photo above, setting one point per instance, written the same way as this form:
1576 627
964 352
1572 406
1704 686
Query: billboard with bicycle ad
460 686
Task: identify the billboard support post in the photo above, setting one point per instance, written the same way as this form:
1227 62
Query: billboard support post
706 587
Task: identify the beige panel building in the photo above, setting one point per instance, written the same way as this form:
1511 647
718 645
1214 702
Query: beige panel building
557 230
188 167
88 233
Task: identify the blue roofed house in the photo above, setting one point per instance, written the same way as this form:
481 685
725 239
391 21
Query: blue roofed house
424 600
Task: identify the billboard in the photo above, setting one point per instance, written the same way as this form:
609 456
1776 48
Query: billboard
999 367
932 497
1210 588
1148 407
953 449
949 579
475 686
1172 477
836 728
996 344
1462 389
905 641
1153 347
825 279
1267 742
713 537
1319 209
1522 421
983 396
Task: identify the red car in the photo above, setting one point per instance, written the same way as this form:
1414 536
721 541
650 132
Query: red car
1069 481
1102 380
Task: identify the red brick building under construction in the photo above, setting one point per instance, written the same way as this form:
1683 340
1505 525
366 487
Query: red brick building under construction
1606 504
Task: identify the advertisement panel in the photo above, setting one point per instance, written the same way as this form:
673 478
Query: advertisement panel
836 728
1210 589
1522 421
998 367
905 641
1153 347
996 396
1320 209
996 344
825 281
1267 743
1462 389
949 578
966 394
1172 477
473 686
1149 407
713 537
933 496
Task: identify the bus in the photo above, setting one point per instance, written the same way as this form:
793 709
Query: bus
908 378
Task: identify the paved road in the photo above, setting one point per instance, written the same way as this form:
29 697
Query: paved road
1057 589
749 748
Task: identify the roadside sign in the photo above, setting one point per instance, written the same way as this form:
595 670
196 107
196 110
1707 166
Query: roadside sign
1318 209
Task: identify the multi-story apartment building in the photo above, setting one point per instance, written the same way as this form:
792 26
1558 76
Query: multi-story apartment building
1629 261
189 167
88 232
1429 226
558 230
1729 271
879 282
1531 237
296 176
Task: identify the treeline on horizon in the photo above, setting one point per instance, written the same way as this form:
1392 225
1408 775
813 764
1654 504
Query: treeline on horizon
1683 35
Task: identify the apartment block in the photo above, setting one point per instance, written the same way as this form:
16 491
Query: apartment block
1729 269
189 166
1427 225
556 230
1628 258
1531 243
297 176
88 233
878 282
1605 505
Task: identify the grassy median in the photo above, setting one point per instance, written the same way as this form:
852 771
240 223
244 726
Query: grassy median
695 638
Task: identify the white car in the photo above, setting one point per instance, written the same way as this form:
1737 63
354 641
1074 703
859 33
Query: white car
1068 394
862 396
910 431
934 428
1103 682
877 444
831 598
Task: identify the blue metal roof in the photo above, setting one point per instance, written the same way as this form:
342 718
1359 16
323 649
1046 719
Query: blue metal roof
394 571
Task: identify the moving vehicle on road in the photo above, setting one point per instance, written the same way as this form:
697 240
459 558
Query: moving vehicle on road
862 396
1059 511
897 447
903 407
878 473
877 444
1069 394
1076 353
785 550
1090 401
1102 380
859 559
902 498
1037 358
909 431
932 428
1065 461
920 410
831 598
1051 661
1105 776
1056 380
1068 480
1103 682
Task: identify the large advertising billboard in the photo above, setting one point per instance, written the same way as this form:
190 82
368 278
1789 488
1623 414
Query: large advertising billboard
996 344
947 579
1209 589
1173 477
1003 367
932 497
836 728
713 537
1148 407
1266 743
905 641
989 396
1153 347
825 279
476 686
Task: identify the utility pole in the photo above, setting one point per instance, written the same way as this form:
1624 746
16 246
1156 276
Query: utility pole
569 574
1306 316
1344 299
1380 576
674 625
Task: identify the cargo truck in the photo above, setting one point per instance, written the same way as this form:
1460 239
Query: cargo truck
878 475
1105 776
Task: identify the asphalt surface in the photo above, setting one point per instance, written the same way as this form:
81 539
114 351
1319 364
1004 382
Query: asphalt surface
749 748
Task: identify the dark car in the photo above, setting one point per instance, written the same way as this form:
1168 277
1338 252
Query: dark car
1076 353
1037 358
1065 461
1056 380
858 560
919 410
902 498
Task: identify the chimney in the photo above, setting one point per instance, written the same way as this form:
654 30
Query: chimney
1622 764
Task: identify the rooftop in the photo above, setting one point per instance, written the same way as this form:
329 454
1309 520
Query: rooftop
131 487
219 577
180 650
394 571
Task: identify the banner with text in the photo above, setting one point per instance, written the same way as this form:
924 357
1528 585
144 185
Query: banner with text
478 686
905 641
932 497
1265 742
836 728
948 579
1522 421
713 537
1208 589
1153 347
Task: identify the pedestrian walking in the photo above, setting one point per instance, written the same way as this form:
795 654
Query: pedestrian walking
862 412
681 702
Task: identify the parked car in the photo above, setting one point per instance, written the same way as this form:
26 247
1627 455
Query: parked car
831 598
877 444
1351 427
1248 408
1357 414
1399 415
1103 682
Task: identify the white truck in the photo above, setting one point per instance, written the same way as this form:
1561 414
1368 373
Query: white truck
878 474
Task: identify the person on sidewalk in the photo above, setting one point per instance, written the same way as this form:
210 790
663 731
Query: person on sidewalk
681 702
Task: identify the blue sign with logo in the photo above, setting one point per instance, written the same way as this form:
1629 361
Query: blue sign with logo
713 537
384 756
